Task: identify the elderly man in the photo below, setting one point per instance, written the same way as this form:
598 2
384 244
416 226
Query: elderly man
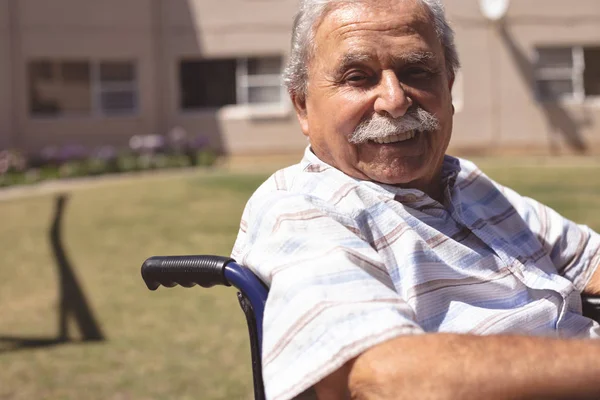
396 271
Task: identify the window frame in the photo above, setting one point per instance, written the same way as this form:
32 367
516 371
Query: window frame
244 109
97 88
575 74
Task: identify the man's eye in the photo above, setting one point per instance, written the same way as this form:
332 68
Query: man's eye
418 73
356 78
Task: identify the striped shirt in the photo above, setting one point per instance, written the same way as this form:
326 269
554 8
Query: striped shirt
353 263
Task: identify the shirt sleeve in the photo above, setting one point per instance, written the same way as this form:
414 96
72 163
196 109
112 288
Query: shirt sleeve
574 249
330 295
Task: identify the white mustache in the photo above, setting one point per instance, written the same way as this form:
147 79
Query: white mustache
378 126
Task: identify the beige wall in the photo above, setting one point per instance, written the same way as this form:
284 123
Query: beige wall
93 30
5 82
498 111
230 28
157 34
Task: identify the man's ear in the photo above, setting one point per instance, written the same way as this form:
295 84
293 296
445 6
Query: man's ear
451 79
299 102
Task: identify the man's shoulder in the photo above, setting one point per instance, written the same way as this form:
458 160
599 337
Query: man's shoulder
312 186
471 178
467 167
300 179
285 185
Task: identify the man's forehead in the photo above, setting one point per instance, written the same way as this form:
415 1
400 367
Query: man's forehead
404 16
353 24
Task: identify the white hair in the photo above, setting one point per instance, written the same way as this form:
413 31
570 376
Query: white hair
311 13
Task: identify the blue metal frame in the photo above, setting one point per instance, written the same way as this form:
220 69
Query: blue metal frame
251 287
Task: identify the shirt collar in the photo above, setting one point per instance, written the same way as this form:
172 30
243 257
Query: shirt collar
450 170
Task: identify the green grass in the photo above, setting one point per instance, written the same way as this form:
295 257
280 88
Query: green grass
173 343
572 190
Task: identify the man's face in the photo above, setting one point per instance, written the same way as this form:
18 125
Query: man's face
374 61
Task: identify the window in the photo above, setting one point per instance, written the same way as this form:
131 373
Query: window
117 88
60 87
567 73
207 84
221 82
82 88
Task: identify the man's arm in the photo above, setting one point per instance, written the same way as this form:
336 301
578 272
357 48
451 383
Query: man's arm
449 366
593 286
573 249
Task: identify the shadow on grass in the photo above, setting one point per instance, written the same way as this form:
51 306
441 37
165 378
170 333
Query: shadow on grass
13 343
73 302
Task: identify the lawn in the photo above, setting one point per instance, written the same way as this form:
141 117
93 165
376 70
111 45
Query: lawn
173 343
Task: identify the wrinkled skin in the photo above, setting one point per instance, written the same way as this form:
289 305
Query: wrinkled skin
380 56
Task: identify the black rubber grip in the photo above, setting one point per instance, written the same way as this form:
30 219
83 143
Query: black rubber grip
187 271
591 307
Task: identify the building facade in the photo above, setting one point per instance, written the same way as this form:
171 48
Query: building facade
99 72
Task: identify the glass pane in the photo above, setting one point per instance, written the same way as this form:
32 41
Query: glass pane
591 76
264 65
207 83
559 57
75 99
40 84
59 88
75 72
75 91
554 90
41 70
264 94
117 72
117 101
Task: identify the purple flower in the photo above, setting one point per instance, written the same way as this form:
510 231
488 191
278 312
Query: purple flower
49 154
18 162
11 160
72 152
106 153
4 162
136 143
153 142
199 142
178 136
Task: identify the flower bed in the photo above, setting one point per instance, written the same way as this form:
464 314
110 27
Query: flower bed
144 153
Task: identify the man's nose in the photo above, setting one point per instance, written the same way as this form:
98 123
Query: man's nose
391 97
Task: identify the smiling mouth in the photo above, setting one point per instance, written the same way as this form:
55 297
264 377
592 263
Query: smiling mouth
401 137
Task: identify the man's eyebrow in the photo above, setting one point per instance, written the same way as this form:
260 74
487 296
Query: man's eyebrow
350 59
413 57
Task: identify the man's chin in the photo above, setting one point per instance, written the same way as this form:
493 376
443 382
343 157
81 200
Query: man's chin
402 178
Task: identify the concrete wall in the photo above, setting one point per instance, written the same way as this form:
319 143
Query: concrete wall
228 28
90 30
500 110
5 76
156 34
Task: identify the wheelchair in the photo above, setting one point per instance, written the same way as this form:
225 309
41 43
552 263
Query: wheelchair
210 270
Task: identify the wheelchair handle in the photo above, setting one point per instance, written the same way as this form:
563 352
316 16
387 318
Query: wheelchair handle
187 271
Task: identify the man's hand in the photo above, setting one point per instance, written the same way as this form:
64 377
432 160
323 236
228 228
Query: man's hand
449 366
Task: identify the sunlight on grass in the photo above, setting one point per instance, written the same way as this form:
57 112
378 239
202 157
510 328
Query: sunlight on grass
173 343
169 344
